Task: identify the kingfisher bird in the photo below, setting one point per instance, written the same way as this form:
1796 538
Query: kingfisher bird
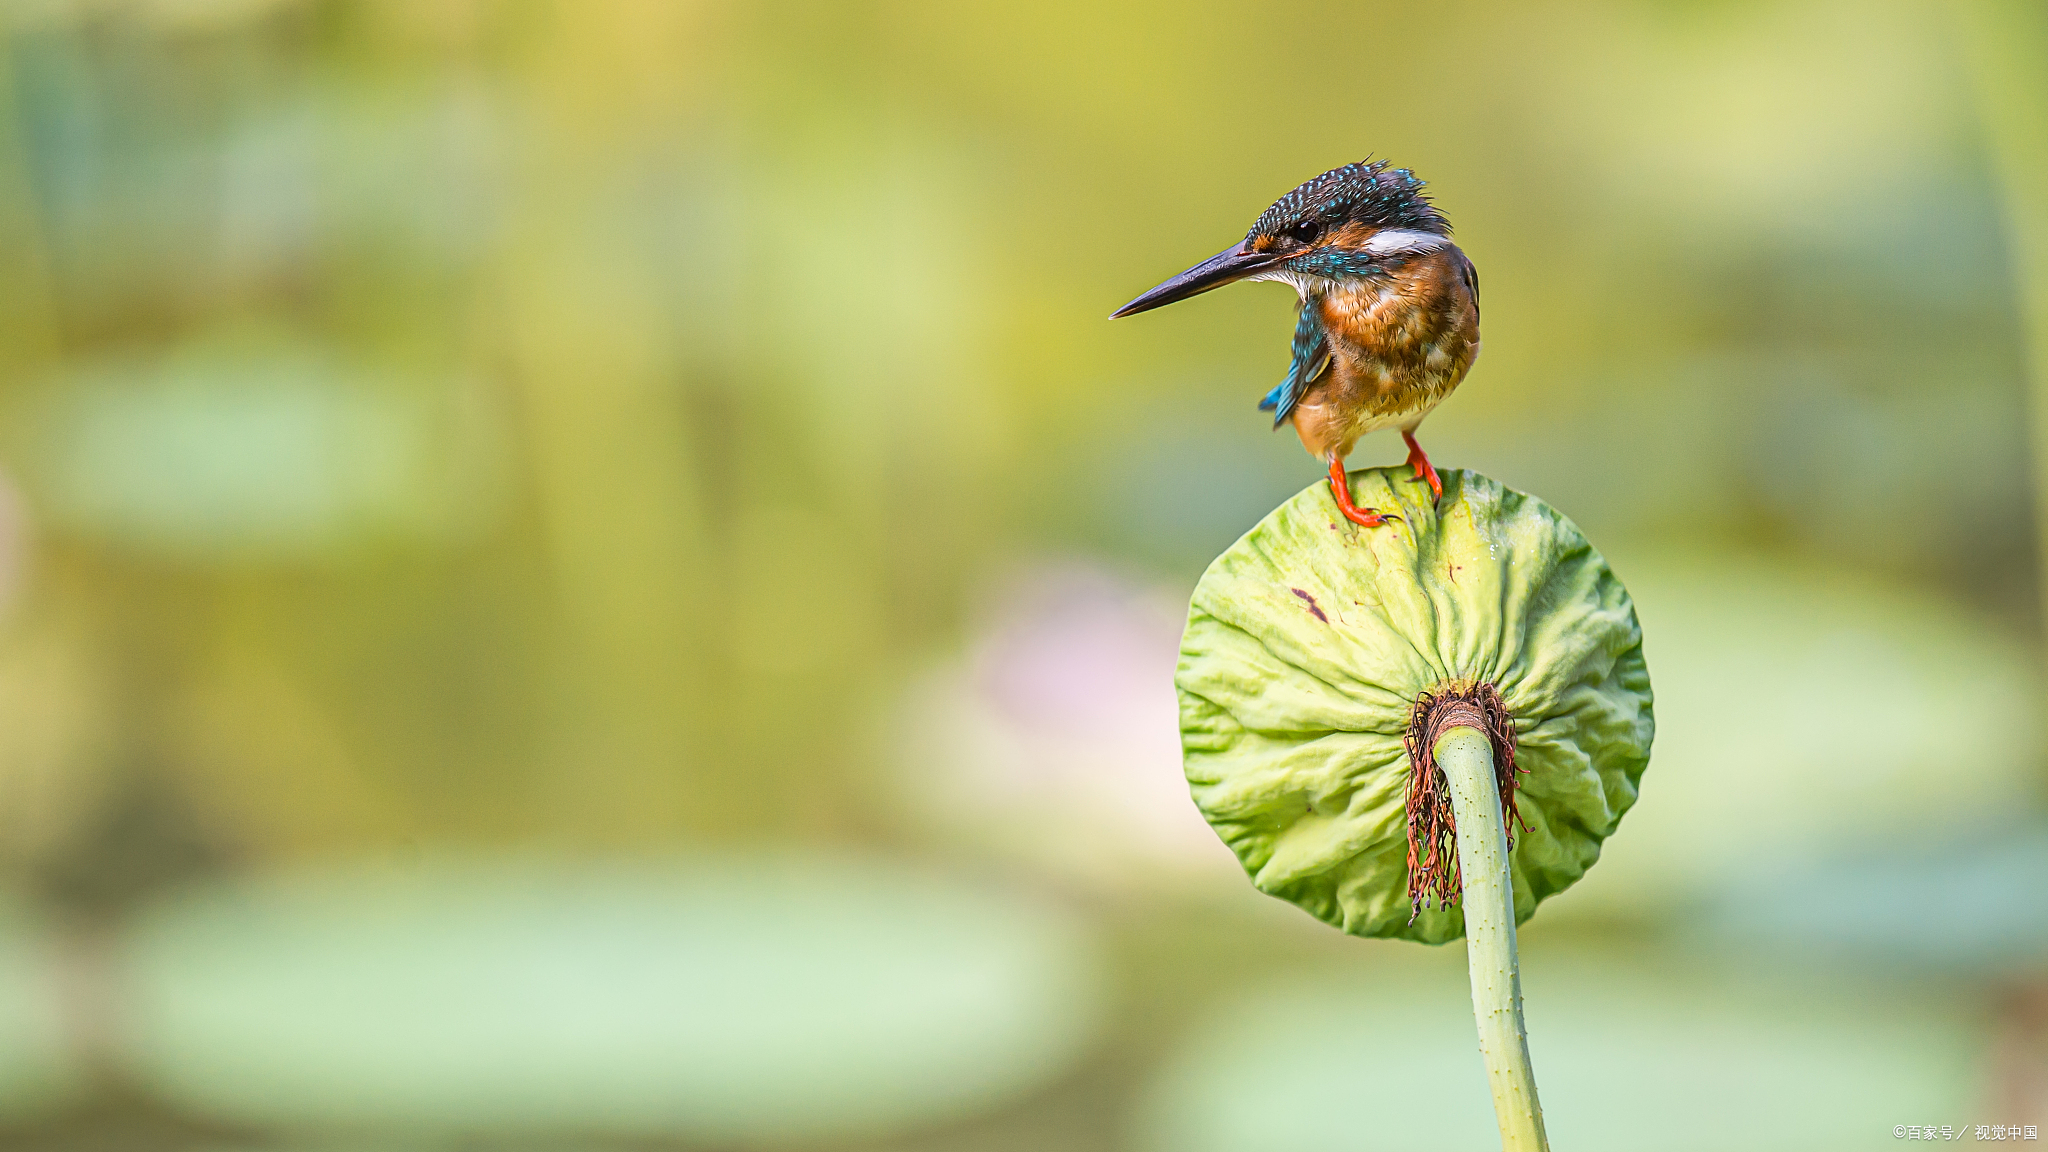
1389 320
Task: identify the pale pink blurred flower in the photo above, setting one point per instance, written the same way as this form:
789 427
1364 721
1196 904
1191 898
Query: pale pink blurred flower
1056 736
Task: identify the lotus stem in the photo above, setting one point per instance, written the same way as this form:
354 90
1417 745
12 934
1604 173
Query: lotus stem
1465 756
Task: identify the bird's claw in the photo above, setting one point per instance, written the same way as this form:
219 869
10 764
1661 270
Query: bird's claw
1340 490
1368 517
1425 472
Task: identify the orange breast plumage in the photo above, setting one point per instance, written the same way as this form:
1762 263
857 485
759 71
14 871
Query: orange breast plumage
1398 345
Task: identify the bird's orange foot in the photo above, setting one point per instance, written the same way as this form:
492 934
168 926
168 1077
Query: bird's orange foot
1340 487
1424 471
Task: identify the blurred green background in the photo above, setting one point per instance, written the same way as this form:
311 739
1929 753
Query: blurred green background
588 574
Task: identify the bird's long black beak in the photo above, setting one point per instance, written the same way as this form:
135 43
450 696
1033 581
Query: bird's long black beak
1233 263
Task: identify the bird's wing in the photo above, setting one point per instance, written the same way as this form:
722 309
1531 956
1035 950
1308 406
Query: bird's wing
1311 360
1471 275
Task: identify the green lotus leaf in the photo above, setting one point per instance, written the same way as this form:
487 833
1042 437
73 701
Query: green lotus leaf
1309 642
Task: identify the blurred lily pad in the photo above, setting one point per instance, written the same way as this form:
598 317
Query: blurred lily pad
746 997
1974 908
1803 712
1683 1060
250 445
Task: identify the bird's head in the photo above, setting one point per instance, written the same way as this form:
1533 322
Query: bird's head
1348 223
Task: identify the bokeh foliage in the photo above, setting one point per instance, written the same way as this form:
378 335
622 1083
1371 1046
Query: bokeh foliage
661 371
571 424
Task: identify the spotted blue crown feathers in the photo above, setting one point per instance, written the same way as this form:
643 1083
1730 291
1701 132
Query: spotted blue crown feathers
1367 192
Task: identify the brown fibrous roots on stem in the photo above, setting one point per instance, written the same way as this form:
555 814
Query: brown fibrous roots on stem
1433 875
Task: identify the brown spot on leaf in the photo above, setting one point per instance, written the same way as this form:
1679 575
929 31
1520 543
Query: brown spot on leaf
1312 606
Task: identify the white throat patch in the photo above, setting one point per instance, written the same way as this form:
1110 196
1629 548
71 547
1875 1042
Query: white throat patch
1304 284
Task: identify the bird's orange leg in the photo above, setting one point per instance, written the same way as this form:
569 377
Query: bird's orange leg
1340 487
1424 471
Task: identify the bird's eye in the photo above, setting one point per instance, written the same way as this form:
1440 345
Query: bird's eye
1306 231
